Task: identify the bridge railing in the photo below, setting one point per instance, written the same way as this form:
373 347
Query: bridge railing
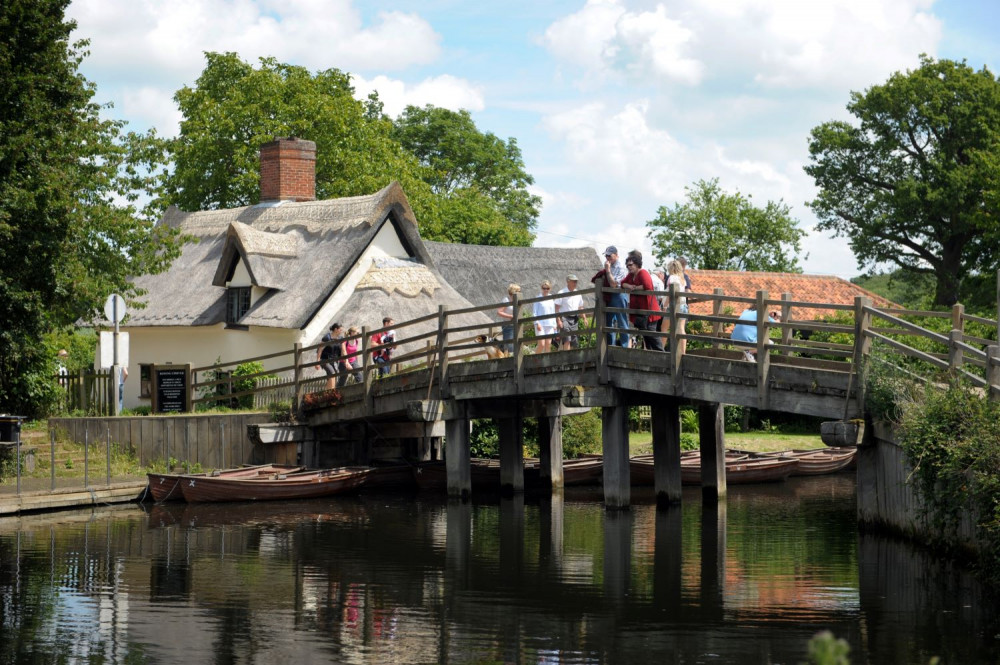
803 330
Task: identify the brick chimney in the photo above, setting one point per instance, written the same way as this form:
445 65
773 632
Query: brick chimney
288 170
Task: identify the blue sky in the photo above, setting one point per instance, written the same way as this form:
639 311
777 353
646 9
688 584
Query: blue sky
617 105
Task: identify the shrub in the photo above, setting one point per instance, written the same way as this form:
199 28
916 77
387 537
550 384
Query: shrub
281 412
582 433
241 385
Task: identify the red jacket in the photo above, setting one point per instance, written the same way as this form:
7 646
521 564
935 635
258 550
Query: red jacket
643 282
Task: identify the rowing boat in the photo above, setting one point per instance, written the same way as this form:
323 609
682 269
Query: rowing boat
301 485
819 461
166 487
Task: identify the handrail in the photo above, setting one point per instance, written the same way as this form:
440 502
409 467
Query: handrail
445 342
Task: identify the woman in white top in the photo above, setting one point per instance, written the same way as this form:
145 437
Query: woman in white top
675 273
506 312
545 326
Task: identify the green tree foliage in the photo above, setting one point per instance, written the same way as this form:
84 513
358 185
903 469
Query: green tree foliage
235 107
66 239
483 173
716 230
915 182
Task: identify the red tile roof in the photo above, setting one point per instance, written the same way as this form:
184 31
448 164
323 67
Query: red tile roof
804 288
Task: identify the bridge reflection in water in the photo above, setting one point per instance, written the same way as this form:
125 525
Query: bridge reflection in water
385 578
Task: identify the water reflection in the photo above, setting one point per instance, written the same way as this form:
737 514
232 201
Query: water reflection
400 579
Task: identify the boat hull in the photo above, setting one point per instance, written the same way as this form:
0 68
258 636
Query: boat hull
292 486
166 486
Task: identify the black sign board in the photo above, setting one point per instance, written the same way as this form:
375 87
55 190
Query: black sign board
171 389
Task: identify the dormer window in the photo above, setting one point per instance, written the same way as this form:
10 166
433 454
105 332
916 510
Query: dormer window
237 303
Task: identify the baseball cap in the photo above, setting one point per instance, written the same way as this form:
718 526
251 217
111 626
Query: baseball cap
571 278
611 250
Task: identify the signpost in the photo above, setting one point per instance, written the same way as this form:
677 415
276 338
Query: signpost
114 309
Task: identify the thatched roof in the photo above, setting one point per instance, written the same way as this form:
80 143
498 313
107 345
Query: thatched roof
482 273
300 251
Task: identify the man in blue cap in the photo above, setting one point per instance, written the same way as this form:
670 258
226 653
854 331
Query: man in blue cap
612 275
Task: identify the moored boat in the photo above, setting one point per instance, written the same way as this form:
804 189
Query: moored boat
819 461
166 486
301 485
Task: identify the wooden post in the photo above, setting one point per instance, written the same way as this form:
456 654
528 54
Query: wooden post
665 422
457 456
786 313
675 354
957 312
717 311
993 371
712 439
296 376
516 342
614 441
442 344
955 358
367 373
601 343
862 346
550 449
763 356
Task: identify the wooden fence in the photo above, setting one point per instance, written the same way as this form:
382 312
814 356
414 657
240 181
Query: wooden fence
87 391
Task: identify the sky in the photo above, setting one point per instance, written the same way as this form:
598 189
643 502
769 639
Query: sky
617 105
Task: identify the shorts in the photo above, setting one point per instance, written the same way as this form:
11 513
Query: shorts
328 366
547 330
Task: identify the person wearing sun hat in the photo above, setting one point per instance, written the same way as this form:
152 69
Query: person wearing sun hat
568 307
612 275
544 326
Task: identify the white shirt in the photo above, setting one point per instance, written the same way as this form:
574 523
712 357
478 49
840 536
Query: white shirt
569 303
541 309
679 281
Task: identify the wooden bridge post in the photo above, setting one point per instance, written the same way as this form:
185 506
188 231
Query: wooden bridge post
367 376
993 371
442 348
717 311
456 457
862 347
511 431
712 440
763 357
296 377
786 330
550 449
614 443
954 351
675 354
601 342
516 342
665 421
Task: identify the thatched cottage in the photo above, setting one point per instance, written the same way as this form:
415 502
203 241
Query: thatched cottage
258 279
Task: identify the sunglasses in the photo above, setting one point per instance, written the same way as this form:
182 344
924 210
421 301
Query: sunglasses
546 288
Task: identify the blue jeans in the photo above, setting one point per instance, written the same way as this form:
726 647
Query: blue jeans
383 366
617 320
508 335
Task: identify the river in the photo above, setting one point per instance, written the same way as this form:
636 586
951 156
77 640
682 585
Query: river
412 578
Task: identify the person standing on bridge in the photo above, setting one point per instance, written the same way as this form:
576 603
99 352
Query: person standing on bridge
611 276
545 327
568 307
506 312
638 279
328 355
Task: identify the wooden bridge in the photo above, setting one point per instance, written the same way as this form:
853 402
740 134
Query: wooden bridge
443 379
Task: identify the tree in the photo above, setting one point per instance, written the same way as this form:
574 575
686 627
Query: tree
915 182
715 230
66 241
465 164
234 108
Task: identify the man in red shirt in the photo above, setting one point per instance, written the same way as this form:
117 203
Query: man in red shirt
638 279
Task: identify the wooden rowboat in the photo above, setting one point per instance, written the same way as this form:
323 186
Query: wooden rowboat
819 461
486 473
642 470
166 486
302 485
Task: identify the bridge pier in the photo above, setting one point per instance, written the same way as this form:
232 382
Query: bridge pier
511 433
614 442
665 421
456 456
712 439
550 453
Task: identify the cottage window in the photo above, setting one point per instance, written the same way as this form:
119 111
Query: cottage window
145 380
237 303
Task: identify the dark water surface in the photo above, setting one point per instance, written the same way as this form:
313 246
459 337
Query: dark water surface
401 578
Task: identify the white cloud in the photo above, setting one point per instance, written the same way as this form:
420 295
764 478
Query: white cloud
445 91
774 43
155 105
158 38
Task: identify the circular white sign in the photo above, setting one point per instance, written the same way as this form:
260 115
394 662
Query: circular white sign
114 308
